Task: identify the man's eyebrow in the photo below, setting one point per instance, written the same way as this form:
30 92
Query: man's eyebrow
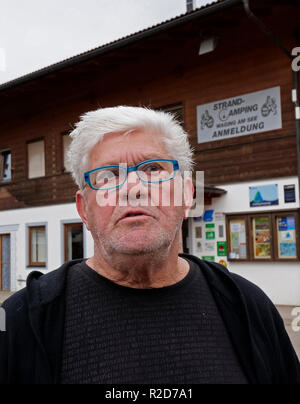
152 157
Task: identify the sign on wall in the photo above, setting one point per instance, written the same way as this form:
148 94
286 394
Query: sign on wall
239 116
289 193
222 248
264 195
208 237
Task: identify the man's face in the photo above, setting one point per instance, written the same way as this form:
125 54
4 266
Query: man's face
157 227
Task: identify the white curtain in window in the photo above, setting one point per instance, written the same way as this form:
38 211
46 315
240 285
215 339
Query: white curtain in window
36 159
1 166
66 143
38 246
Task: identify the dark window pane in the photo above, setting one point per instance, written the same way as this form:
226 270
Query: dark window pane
74 241
5 166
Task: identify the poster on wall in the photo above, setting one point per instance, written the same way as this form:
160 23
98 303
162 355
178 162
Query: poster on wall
221 231
264 195
238 241
222 249
239 116
219 217
208 258
286 234
198 232
210 247
210 235
199 247
262 242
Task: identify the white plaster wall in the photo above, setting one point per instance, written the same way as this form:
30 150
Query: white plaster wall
280 281
237 198
52 215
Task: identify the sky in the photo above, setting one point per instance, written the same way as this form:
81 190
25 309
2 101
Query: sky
37 33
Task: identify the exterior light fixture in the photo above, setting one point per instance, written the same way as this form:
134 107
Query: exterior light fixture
190 6
208 45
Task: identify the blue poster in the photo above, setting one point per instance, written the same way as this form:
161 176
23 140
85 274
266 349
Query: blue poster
264 195
288 250
291 223
287 223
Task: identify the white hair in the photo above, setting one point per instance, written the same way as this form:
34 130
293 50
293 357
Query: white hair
94 125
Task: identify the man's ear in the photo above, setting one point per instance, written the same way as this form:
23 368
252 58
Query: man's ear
81 205
188 195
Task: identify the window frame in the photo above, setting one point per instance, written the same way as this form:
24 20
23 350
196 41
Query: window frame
32 264
273 215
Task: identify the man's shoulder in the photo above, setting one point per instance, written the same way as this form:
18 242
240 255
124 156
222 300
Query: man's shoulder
15 304
40 288
229 283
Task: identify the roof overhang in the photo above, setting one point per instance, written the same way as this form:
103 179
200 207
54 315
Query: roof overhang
215 7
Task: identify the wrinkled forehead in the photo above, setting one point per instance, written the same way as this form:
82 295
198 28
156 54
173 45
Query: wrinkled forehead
130 148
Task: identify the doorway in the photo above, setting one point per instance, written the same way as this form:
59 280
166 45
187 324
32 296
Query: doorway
5 264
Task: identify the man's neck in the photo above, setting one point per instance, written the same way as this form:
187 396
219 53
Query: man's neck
140 273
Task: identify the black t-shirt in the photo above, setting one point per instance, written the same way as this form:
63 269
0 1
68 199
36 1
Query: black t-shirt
120 335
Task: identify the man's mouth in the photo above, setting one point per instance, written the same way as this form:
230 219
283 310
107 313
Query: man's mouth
134 215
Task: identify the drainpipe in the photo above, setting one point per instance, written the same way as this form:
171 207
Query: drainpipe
295 96
297 113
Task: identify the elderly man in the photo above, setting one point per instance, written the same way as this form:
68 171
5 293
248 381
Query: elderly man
138 311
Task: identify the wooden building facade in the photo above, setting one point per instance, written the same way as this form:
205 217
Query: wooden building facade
160 68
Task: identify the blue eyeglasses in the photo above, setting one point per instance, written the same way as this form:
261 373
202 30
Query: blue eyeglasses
114 176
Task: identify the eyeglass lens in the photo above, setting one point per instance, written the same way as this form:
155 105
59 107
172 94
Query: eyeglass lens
151 172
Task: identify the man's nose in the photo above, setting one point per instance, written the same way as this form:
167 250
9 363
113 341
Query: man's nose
133 188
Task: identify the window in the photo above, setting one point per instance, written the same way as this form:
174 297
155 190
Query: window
36 159
5 165
73 241
37 246
264 237
66 144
